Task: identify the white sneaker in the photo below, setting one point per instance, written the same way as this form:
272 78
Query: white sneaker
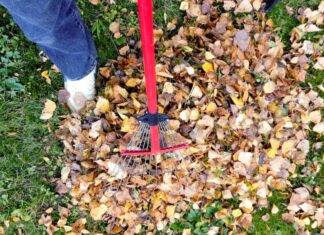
80 91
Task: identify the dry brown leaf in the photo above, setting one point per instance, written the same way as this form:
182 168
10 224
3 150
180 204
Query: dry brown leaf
319 128
48 110
244 7
114 27
97 212
242 39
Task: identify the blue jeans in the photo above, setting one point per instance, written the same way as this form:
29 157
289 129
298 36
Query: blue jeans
57 28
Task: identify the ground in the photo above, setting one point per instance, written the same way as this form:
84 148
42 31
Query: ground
29 153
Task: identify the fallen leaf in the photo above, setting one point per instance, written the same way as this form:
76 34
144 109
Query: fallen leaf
274 209
48 110
245 158
65 173
114 27
319 127
94 2
237 213
242 39
244 7
269 87
196 92
238 102
102 105
97 212
133 82
207 67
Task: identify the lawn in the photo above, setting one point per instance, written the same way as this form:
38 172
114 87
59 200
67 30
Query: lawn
30 155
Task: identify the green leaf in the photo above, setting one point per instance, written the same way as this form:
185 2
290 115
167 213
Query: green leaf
120 41
179 226
13 84
194 215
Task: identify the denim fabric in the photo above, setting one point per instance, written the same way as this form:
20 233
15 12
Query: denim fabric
57 28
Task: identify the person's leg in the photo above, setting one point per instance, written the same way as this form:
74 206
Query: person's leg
57 28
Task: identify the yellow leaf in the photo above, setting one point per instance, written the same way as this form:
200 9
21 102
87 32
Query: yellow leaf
238 102
45 74
272 152
274 108
123 92
209 56
207 67
194 114
133 82
236 213
211 108
15 219
263 169
129 125
269 87
218 195
287 146
274 143
48 110
128 205
102 105
97 212
136 104
158 198
170 211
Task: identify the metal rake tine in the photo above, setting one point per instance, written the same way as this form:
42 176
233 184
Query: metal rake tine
165 133
147 141
111 185
144 171
137 137
153 168
143 139
150 163
129 174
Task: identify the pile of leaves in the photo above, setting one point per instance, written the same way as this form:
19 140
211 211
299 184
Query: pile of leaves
229 87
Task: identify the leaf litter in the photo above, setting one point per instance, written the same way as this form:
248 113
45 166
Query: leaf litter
230 87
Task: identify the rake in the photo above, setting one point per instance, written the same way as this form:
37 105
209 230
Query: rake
153 149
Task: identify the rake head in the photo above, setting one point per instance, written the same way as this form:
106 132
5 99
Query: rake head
154 137
152 151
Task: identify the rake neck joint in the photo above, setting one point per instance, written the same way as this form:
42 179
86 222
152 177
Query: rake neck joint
153 119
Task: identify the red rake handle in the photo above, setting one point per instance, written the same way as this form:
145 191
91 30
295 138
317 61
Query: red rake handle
145 10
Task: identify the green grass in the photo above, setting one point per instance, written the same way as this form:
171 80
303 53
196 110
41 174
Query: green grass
275 225
25 187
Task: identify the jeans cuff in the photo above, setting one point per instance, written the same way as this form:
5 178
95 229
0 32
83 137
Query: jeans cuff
93 65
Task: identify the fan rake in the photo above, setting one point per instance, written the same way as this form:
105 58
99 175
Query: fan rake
154 148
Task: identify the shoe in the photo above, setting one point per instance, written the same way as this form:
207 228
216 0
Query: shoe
80 91
269 4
